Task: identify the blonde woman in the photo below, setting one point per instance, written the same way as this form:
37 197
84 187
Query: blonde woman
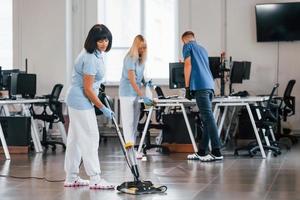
130 87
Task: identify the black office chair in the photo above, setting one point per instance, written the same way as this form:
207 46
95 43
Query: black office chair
264 125
159 125
54 116
287 109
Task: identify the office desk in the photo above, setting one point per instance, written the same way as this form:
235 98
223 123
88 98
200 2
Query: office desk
234 102
34 131
180 102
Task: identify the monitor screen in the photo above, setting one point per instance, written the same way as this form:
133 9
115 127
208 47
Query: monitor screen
215 66
176 75
247 69
278 22
237 72
26 85
240 71
5 77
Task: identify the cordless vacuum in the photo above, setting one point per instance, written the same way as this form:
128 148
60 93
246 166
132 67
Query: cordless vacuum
136 186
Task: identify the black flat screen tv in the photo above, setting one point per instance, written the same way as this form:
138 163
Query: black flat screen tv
278 22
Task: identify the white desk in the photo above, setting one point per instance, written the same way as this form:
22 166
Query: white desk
34 131
234 102
179 102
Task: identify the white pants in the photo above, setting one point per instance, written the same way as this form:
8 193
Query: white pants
130 113
82 142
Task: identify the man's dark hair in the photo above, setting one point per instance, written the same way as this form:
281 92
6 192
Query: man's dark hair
97 32
188 33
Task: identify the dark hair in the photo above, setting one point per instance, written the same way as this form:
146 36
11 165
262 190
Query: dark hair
188 33
97 32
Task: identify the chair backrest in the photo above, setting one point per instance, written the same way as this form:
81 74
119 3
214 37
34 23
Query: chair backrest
272 95
54 104
159 92
267 114
289 88
287 98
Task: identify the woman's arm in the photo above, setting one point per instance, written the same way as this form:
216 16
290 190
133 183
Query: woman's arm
131 77
88 81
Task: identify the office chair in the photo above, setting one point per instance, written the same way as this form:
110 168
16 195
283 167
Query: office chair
287 109
264 125
55 116
159 125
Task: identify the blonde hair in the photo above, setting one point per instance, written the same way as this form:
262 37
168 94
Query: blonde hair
138 42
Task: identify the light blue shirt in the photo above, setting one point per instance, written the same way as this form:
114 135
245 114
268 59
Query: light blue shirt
201 77
88 64
125 88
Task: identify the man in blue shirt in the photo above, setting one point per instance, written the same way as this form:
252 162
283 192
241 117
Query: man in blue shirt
199 81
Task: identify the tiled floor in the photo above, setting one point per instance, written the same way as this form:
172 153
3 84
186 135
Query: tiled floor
240 178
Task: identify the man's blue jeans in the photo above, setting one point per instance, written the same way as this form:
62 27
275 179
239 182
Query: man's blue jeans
210 130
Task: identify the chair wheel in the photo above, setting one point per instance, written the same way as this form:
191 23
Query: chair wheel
53 148
275 154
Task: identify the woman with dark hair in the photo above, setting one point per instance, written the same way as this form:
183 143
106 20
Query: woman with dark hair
83 134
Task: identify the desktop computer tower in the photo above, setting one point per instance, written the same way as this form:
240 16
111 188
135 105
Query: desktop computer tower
16 130
175 130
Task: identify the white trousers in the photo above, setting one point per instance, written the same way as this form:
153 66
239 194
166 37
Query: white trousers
82 142
130 113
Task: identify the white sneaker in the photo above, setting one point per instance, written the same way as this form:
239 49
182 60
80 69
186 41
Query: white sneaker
207 158
76 182
193 156
139 155
101 184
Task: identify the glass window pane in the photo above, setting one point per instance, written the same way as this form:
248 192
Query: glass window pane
161 35
114 64
6 51
122 17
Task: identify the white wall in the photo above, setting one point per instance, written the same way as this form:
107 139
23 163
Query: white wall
39 36
219 25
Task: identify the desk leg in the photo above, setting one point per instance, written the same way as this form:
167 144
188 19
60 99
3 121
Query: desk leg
34 131
222 120
189 128
62 131
216 112
263 154
35 137
145 129
4 145
229 125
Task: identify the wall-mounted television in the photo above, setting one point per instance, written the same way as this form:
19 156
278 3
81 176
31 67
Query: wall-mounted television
278 22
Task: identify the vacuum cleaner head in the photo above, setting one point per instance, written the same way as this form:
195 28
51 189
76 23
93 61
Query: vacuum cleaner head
140 187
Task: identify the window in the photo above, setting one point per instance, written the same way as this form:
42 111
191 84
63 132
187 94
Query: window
154 19
6 49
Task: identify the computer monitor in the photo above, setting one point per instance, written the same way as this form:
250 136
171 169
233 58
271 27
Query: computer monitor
5 77
26 85
240 71
215 66
176 75
247 68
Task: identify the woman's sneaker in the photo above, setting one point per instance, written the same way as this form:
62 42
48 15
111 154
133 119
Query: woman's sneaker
76 182
101 184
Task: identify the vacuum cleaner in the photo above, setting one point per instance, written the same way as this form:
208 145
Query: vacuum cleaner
137 186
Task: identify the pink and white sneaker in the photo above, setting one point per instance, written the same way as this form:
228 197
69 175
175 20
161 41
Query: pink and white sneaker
77 182
101 184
